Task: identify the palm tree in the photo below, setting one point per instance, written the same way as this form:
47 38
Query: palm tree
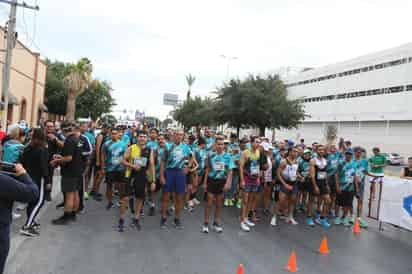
76 82
190 79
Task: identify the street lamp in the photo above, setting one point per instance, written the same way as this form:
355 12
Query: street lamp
229 59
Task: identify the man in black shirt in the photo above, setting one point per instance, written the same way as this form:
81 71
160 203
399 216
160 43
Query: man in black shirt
71 169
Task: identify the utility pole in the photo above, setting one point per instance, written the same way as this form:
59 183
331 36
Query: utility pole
11 42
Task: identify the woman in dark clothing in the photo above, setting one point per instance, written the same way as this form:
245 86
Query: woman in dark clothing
35 160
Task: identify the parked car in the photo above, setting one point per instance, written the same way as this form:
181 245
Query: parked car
394 158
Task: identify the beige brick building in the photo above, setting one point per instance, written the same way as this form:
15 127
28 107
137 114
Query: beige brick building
27 83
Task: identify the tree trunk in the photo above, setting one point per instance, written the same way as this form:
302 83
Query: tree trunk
71 105
238 132
262 131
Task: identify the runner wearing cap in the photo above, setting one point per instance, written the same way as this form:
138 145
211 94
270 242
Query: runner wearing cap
304 178
334 157
347 181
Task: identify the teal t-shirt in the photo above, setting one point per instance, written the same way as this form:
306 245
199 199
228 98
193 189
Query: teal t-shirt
209 143
219 165
176 155
12 150
152 145
114 152
201 155
90 135
333 161
347 173
304 168
159 157
362 167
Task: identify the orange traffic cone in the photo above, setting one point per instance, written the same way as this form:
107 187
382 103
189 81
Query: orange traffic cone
292 266
323 249
356 227
240 269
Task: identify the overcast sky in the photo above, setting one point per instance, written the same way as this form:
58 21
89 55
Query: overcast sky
145 48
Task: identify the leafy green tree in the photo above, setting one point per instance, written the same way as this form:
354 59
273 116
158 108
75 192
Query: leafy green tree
229 105
95 101
195 112
166 122
190 80
258 102
76 81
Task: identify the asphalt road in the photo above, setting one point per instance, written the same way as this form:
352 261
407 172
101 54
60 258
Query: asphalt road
92 245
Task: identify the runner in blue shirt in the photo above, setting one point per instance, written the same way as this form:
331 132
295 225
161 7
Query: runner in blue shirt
113 152
153 144
13 148
218 177
175 167
346 186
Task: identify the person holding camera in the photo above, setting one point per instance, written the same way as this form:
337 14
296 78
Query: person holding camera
18 187
35 161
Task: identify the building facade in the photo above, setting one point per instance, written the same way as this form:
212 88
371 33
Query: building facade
367 98
27 84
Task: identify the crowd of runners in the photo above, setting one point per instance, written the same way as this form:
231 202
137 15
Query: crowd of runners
145 171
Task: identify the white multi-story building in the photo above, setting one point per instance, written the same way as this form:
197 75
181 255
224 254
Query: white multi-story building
368 98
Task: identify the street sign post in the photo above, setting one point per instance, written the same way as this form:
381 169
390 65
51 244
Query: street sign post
170 99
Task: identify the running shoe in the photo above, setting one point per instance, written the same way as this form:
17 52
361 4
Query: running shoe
136 224
244 227
29 231
338 221
362 223
217 228
318 220
324 223
163 223
36 225
346 221
86 195
196 201
249 223
309 221
352 220
152 211
226 202
120 226
292 221
190 204
178 224
239 203
205 228
273 222
191 209
109 205
63 220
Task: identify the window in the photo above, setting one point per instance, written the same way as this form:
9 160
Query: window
354 71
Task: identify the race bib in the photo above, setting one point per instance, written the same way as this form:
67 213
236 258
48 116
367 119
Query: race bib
321 175
116 161
219 166
254 170
140 161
